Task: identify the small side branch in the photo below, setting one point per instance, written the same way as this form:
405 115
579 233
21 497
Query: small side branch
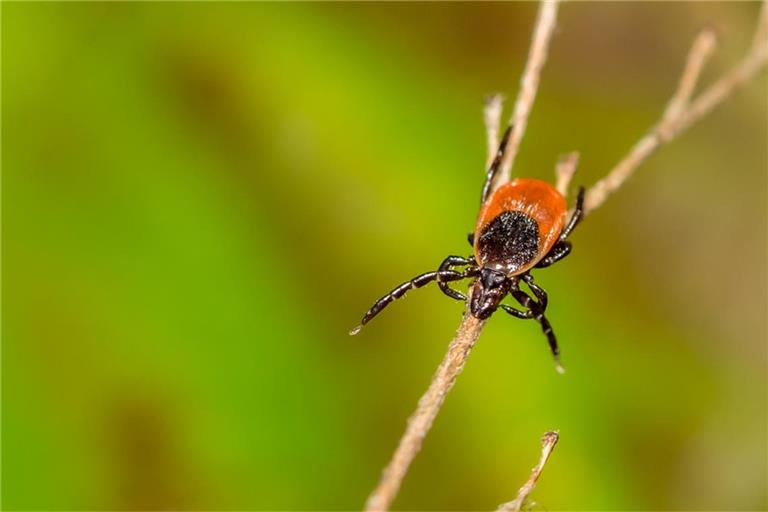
529 84
697 57
719 91
421 420
492 119
566 168
548 443
681 113
761 34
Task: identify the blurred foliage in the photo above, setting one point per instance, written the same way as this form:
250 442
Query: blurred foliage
200 199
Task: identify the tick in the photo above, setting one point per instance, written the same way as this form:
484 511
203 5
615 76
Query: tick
521 226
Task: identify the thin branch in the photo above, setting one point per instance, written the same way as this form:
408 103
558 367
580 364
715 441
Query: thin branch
566 168
492 118
470 328
761 34
548 443
529 84
718 92
421 420
697 57
677 120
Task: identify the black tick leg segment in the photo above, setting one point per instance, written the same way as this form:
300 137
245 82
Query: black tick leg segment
541 295
448 264
416 282
562 247
538 315
558 251
578 214
547 328
523 315
495 165
523 298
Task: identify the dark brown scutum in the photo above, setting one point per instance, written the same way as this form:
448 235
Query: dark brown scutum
511 240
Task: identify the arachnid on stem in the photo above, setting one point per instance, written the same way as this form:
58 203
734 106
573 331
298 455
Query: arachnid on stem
521 226
683 112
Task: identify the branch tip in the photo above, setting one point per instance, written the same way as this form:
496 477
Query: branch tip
761 34
550 438
700 51
564 171
548 442
494 102
494 105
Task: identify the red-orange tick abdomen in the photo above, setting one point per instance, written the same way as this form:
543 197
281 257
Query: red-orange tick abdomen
518 225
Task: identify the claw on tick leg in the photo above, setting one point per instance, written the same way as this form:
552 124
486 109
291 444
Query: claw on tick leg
355 330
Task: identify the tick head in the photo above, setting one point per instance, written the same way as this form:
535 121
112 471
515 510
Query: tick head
487 293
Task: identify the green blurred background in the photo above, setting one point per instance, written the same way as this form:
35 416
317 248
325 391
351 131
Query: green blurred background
201 199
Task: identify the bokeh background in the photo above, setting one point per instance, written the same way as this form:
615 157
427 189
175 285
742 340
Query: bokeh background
201 199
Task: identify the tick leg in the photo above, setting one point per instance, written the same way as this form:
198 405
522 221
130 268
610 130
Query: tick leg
471 239
521 297
416 282
541 295
547 328
448 263
527 302
562 247
538 315
558 251
495 165
537 305
524 315
578 214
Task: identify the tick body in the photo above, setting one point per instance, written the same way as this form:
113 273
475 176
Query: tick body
518 225
521 226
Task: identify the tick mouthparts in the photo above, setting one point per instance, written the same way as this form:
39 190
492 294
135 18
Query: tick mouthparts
356 330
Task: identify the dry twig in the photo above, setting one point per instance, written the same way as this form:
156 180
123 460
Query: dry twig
697 57
529 84
548 443
566 168
761 34
492 118
679 115
421 420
